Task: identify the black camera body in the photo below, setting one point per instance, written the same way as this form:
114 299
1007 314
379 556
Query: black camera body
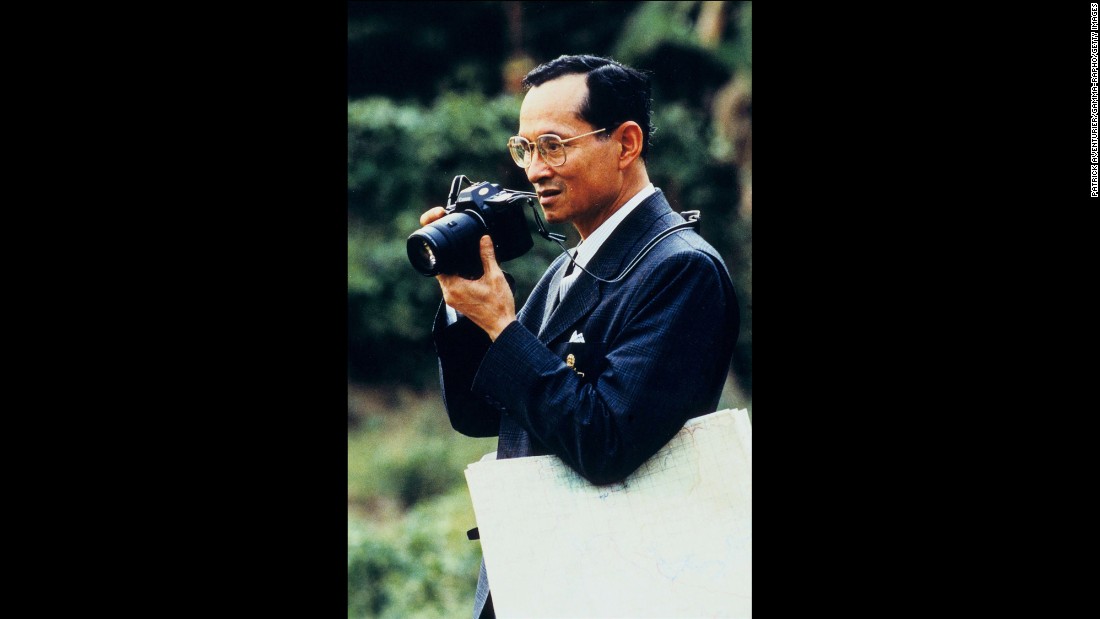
451 245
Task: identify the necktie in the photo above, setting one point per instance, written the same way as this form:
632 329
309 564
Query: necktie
563 285
568 278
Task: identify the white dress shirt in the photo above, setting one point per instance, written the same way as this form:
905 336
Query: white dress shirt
587 248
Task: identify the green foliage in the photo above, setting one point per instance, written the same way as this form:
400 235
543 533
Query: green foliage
661 25
742 46
403 156
403 455
682 166
407 451
371 563
407 466
423 568
401 161
654 24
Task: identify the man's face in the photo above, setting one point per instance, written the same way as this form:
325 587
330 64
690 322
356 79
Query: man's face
588 183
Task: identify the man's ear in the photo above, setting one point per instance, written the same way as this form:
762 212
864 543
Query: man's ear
631 139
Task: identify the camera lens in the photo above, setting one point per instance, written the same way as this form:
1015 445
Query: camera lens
421 254
426 258
448 245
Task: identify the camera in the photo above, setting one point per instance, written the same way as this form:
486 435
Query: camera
450 245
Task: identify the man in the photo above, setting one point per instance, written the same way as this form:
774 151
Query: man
601 373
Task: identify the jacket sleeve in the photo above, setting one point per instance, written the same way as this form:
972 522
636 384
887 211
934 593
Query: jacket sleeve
666 364
461 347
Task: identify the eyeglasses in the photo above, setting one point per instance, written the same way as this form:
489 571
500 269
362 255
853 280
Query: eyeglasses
551 148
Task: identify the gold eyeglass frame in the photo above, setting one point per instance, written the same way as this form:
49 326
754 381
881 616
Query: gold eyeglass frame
538 144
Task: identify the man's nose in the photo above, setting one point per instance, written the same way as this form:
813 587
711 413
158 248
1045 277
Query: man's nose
538 169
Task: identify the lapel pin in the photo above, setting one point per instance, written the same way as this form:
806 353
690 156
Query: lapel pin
570 360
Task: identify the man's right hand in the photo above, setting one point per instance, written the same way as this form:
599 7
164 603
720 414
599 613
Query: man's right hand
487 301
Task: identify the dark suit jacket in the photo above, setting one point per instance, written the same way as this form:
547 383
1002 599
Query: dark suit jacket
656 352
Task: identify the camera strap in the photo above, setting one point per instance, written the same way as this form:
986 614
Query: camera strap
546 234
692 222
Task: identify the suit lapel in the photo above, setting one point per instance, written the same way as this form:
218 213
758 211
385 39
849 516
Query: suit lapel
552 290
582 297
613 255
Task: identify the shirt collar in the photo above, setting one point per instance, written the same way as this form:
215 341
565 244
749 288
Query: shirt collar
590 245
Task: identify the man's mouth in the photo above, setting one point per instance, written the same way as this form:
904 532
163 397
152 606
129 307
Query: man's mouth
547 195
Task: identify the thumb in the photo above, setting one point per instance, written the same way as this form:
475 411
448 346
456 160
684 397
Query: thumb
488 254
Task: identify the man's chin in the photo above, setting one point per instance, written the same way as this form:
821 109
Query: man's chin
553 216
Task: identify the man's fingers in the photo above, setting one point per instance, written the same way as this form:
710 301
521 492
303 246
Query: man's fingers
488 255
432 214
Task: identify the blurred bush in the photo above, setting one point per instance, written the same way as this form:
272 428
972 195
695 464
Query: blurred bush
401 161
408 507
423 567
403 450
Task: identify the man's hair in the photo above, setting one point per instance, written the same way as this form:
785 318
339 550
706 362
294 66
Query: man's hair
616 93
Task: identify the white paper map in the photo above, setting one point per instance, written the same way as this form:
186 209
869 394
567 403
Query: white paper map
672 540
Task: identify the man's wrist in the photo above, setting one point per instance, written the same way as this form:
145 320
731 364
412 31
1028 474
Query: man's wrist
493 335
